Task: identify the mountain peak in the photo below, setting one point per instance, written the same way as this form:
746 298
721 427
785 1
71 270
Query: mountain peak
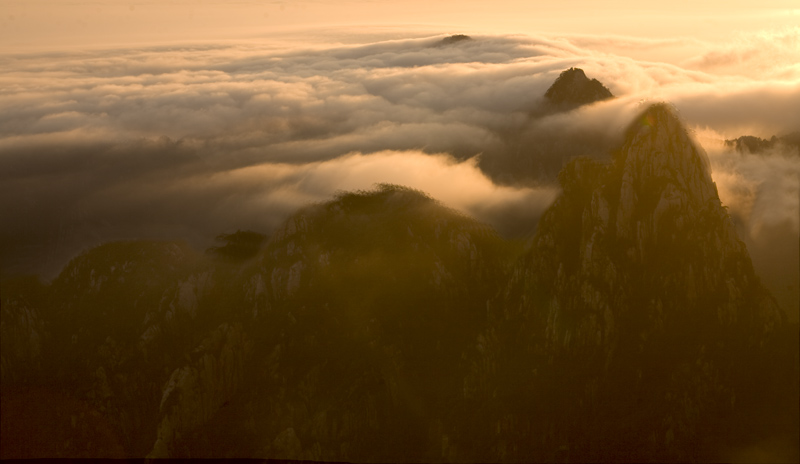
572 89
656 115
655 208
453 39
658 150
640 246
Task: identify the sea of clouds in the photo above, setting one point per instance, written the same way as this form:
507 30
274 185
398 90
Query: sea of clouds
186 142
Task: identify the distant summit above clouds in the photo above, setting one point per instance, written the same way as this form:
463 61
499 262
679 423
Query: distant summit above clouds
453 39
757 145
573 89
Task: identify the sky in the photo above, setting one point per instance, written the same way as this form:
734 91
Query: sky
48 23
189 118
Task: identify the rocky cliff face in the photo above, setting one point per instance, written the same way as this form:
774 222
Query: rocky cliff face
196 391
637 298
88 366
653 220
22 330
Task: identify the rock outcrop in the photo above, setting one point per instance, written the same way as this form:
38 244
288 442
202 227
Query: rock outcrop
573 89
195 392
638 300
22 330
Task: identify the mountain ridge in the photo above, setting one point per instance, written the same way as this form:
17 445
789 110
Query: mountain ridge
756 145
383 326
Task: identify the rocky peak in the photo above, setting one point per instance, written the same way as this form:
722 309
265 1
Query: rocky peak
636 291
572 89
653 205
661 169
644 235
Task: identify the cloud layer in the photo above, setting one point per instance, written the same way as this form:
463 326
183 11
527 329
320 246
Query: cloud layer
190 141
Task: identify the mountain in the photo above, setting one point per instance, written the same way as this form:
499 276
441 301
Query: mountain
635 326
343 338
96 389
22 330
453 39
357 317
757 145
383 326
536 154
572 89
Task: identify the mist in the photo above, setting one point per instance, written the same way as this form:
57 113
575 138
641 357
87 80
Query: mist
762 192
188 141
365 231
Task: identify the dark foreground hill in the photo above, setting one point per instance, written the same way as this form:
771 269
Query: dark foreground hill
382 326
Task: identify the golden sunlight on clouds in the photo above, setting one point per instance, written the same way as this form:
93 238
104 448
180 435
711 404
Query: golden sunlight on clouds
55 24
256 108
